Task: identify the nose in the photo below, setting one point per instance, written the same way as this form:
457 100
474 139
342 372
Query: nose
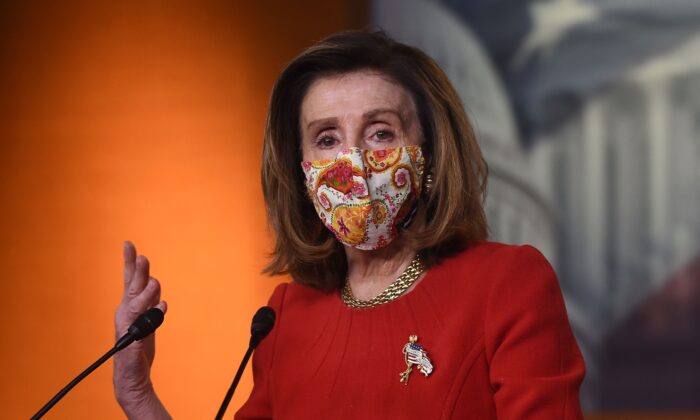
353 135
355 142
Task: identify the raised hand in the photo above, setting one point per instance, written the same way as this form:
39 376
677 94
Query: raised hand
132 366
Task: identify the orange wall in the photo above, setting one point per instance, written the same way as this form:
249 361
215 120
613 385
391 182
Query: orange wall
141 121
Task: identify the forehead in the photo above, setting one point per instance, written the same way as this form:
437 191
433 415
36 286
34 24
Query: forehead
351 93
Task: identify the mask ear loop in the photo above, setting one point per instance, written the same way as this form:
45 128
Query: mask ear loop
407 221
426 186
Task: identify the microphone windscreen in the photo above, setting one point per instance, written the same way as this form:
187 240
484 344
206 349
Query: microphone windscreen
263 321
146 324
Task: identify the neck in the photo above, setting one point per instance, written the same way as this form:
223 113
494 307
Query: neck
371 272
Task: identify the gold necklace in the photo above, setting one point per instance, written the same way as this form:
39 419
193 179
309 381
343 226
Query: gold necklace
395 289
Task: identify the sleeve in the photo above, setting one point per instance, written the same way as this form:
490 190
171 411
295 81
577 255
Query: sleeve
258 406
535 365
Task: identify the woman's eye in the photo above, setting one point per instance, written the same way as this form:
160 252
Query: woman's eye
384 135
325 142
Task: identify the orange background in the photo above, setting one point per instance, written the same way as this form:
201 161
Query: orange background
144 122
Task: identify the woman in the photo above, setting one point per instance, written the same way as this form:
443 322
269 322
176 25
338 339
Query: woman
399 307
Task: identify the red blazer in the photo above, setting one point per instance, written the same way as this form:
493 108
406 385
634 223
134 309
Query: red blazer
490 319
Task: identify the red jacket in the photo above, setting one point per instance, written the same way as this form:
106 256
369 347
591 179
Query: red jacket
490 319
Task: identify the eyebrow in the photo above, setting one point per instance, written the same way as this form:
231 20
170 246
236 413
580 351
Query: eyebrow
321 122
366 116
374 112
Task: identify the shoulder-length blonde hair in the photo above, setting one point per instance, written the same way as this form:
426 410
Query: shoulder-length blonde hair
449 216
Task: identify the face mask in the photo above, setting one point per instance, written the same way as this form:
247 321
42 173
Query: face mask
363 195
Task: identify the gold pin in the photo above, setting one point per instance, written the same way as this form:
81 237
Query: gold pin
415 354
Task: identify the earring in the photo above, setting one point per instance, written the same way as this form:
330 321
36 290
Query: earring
428 183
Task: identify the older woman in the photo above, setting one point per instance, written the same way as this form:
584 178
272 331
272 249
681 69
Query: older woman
399 306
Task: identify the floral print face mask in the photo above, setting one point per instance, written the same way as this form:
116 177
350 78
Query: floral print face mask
362 195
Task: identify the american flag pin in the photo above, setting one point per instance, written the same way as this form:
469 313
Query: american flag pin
415 354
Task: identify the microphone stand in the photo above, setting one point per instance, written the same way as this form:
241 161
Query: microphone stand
234 384
73 383
142 327
263 321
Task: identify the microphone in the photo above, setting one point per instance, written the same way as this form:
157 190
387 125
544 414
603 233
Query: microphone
144 326
263 321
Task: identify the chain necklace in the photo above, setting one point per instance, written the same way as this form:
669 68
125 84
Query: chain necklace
395 289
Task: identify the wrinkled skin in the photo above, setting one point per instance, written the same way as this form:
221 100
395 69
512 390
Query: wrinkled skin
132 366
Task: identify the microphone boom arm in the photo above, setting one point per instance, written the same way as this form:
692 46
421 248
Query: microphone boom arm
144 326
73 383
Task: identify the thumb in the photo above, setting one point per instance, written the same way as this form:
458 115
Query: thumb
163 306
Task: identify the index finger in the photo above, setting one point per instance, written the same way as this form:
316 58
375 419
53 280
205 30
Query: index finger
138 282
129 253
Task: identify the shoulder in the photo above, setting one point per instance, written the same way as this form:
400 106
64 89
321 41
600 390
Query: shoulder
488 271
492 259
293 298
297 293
